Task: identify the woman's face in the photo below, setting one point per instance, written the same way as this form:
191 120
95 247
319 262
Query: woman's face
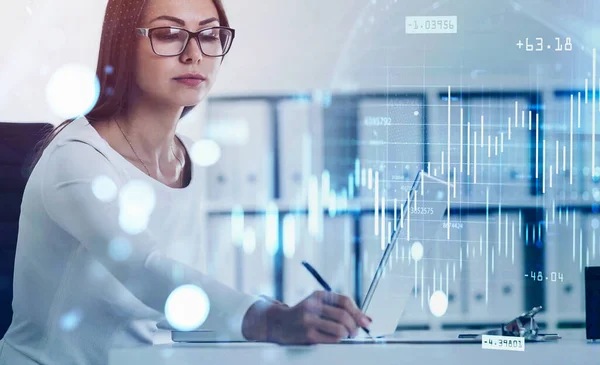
155 75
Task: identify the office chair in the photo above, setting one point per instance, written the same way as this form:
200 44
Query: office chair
18 142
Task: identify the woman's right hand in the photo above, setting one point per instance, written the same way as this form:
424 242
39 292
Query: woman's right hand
323 317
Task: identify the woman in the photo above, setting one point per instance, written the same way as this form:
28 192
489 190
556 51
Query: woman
93 269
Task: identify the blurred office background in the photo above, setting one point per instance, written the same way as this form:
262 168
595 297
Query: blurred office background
317 97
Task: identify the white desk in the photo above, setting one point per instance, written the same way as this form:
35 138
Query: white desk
572 349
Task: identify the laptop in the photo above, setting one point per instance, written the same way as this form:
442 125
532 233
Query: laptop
417 224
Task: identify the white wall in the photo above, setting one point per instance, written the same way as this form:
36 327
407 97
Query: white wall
300 45
362 44
35 44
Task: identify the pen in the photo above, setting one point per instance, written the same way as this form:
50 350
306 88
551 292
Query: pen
325 285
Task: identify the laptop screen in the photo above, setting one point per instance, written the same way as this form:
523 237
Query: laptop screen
420 217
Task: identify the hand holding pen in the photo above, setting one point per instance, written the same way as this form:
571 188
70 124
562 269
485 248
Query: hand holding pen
362 320
322 317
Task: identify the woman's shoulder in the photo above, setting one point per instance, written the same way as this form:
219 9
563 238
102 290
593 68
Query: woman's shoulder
75 148
79 130
80 134
73 156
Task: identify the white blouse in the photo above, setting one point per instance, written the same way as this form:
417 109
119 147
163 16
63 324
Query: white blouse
79 292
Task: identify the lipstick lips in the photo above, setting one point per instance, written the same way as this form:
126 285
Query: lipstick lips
191 76
190 82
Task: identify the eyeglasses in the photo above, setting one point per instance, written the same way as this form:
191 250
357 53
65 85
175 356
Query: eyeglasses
172 41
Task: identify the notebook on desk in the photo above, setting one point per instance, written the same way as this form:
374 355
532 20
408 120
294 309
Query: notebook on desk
198 335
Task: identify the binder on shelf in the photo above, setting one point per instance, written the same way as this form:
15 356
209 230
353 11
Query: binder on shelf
300 147
243 130
391 137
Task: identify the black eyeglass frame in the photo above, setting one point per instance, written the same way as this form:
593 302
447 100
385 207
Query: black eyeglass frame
147 32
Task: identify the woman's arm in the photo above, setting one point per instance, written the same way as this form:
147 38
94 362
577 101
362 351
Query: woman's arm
69 200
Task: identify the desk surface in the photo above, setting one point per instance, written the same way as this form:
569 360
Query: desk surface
571 349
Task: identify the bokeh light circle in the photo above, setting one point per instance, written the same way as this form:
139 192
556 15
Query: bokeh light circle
69 321
416 251
205 152
72 90
136 202
438 303
187 307
104 188
119 249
